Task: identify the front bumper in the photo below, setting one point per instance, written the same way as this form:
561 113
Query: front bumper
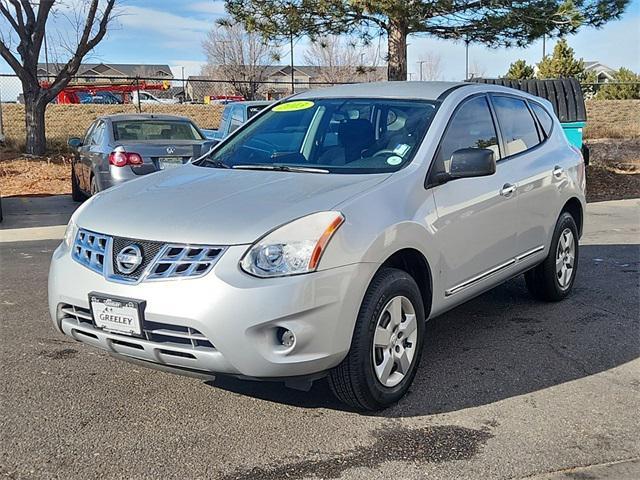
238 314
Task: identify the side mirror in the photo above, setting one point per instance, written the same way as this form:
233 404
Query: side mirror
470 162
74 142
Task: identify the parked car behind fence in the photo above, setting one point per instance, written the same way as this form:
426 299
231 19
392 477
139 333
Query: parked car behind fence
118 148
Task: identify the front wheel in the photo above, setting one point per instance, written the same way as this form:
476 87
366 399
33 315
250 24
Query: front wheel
386 345
553 279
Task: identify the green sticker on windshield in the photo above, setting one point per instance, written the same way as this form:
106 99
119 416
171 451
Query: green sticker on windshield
293 106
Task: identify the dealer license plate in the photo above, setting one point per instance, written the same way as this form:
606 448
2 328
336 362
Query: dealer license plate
169 162
118 315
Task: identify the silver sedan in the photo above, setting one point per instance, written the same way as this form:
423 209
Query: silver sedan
118 148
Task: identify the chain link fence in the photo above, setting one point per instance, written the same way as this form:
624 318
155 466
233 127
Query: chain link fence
201 99
86 98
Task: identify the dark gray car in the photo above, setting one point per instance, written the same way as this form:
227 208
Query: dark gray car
118 148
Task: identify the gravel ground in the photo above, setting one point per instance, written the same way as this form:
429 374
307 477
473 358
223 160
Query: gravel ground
508 388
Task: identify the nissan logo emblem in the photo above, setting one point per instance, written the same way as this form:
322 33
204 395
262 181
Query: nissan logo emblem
170 150
129 258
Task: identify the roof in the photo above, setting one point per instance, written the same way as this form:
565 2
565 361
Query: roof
253 103
122 117
125 69
421 90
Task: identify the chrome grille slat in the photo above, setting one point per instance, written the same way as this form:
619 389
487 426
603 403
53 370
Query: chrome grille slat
184 261
90 249
162 333
160 261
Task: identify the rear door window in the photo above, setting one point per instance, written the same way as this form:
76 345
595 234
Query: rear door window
516 123
471 127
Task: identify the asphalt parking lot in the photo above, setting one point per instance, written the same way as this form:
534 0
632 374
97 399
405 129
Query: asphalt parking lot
508 387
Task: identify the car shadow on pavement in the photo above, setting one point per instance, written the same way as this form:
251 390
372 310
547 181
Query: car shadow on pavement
504 343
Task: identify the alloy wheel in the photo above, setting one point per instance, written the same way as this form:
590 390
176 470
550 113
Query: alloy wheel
394 341
565 258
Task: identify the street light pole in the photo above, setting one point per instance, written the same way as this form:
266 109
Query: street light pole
466 68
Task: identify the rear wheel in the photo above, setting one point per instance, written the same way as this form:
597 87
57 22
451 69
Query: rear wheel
94 186
553 279
386 345
76 193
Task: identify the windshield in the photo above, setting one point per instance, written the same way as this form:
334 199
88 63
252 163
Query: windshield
142 130
341 135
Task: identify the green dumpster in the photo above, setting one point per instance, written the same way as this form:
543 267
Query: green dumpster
573 131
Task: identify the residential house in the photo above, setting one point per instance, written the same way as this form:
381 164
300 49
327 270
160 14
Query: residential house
603 73
108 72
278 80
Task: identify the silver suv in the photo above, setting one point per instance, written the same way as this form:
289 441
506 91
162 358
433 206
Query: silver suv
319 237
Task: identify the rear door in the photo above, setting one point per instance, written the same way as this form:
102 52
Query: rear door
477 220
538 196
94 156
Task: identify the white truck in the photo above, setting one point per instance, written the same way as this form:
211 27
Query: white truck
147 98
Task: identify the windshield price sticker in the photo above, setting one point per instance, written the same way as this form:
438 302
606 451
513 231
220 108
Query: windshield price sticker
293 106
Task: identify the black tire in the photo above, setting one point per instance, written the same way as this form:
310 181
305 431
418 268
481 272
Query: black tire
76 193
354 381
94 186
542 281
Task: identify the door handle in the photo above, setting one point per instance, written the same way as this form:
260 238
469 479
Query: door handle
558 171
507 190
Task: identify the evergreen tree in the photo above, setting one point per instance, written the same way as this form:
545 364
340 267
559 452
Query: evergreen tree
627 89
519 70
562 63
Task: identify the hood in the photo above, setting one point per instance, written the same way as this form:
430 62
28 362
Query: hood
214 206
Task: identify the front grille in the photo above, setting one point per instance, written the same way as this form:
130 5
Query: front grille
160 261
183 261
157 332
149 252
90 250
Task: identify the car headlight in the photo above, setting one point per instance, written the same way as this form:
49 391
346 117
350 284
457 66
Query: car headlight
70 234
294 248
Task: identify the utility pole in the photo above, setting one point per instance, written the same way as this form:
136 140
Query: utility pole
293 87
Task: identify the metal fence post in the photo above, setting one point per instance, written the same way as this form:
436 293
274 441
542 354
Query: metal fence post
138 94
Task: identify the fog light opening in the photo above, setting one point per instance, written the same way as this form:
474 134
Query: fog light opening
286 337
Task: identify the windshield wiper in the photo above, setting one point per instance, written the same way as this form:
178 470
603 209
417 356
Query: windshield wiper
280 168
206 162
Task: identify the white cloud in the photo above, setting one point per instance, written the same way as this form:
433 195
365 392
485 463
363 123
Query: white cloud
158 21
191 67
214 7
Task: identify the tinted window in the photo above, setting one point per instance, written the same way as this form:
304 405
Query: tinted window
339 135
517 125
471 127
142 130
98 133
236 118
87 137
543 117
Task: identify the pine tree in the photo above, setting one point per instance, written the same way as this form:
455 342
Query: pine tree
562 63
615 91
496 23
519 70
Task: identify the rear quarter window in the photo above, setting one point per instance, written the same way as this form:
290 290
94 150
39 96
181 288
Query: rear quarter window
546 121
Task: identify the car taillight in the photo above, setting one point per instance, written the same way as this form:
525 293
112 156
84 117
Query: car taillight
121 159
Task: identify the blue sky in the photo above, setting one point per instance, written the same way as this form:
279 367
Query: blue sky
171 32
